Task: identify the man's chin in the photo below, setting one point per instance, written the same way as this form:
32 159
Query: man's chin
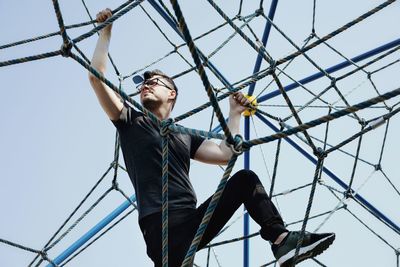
150 104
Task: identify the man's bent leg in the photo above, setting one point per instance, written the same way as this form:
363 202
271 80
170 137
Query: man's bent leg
243 187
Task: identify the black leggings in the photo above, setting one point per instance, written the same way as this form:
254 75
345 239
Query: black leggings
244 187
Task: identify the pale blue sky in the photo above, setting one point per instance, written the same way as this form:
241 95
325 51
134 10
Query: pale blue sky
56 142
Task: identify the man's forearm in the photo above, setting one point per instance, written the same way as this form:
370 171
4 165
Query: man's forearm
109 100
99 60
234 127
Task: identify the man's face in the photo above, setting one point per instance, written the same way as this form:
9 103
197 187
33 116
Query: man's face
155 92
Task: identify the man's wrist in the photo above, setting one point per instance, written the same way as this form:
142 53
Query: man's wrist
234 113
105 33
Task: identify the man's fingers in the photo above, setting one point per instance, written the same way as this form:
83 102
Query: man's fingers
103 15
241 99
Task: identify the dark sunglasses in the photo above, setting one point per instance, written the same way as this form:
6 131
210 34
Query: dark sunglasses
151 83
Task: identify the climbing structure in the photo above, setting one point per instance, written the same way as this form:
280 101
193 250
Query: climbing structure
307 121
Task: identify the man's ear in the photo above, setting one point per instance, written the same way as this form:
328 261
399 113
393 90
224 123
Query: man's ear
172 94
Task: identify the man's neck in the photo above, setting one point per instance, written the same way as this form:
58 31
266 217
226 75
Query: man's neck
161 113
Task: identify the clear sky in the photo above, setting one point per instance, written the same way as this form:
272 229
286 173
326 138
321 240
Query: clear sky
56 142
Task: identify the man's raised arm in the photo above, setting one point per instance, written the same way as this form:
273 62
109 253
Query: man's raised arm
210 152
110 101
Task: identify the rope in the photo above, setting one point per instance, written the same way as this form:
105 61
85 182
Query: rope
98 237
109 21
274 172
208 214
252 78
310 201
60 23
324 119
19 246
75 210
336 32
118 90
165 200
193 50
30 58
292 109
260 49
370 127
353 172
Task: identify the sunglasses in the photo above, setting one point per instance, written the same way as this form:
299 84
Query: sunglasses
151 83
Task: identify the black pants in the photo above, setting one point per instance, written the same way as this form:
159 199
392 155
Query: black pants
244 187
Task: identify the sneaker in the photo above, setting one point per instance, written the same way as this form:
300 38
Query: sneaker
313 245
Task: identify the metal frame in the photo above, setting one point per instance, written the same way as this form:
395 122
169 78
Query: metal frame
119 210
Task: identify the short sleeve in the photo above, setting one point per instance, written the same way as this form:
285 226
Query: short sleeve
128 114
195 143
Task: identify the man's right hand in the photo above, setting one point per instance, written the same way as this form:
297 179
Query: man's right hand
103 16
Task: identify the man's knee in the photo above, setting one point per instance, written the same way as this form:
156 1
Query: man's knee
246 173
245 179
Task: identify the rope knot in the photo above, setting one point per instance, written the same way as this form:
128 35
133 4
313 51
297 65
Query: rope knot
272 65
363 122
164 126
239 17
259 11
115 185
66 48
43 254
237 146
378 167
320 153
333 81
349 194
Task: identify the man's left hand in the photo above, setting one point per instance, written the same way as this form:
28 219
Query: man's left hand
238 103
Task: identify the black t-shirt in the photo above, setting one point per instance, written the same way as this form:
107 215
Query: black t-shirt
141 146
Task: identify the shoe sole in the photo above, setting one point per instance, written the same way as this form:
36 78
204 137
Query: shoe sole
308 252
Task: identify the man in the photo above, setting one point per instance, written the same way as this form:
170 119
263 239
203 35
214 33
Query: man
141 145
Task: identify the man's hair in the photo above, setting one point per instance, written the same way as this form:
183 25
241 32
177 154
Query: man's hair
151 73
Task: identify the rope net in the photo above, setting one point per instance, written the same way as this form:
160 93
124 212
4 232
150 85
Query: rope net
321 138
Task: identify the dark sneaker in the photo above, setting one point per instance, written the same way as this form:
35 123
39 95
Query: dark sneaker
313 245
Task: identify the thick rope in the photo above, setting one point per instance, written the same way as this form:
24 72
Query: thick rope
60 22
164 196
207 85
188 261
107 22
30 58
324 119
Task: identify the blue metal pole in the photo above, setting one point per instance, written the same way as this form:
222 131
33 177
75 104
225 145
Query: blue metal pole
246 222
332 69
367 204
267 30
92 232
246 231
